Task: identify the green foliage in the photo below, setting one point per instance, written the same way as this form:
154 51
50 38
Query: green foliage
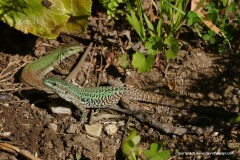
161 36
232 8
154 44
136 23
46 19
210 36
212 12
77 156
218 21
154 152
153 34
123 60
112 8
235 120
192 18
133 152
130 148
143 63
224 2
173 47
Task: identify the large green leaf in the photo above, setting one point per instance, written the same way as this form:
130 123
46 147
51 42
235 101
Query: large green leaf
46 18
144 64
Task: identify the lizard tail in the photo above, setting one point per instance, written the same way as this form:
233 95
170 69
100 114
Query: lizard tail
139 95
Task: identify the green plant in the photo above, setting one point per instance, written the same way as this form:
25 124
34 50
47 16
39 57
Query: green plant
210 36
133 152
154 152
130 146
235 120
162 35
218 23
77 156
112 7
159 36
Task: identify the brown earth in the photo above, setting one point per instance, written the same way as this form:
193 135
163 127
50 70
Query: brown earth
196 75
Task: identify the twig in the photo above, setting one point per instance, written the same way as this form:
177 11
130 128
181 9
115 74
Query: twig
77 69
12 71
13 149
89 69
107 116
144 118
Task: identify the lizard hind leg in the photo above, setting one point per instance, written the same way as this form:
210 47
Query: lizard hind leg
83 117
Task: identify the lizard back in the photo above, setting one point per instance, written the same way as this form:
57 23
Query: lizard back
98 97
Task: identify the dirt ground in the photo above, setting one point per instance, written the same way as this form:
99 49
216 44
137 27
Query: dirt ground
197 75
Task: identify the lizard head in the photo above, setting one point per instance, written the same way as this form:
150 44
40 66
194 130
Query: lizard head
58 85
69 50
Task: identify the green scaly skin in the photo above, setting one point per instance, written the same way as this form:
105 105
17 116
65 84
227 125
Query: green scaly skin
34 72
106 96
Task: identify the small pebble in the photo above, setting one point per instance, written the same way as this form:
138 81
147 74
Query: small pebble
4 96
72 129
111 129
94 130
52 126
61 110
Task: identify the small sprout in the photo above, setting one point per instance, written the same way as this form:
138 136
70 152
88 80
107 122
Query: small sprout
154 152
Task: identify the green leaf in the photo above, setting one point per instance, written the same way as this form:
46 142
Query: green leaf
164 155
132 19
132 134
149 154
235 120
212 40
154 148
211 33
178 9
149 24
143 64
78 156
136 139
154 154
159 28
170 54
221 48
173 47
46 20
130 148
123 60
225 2
190 22
127 147
192 17
154 44
232 8
213 16
206 37
200 4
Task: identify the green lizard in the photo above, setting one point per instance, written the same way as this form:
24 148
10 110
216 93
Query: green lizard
33 73
102 97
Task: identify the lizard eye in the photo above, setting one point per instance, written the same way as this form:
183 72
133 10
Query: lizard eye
54 84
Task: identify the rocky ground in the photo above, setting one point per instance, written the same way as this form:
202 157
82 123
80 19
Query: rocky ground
198 75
